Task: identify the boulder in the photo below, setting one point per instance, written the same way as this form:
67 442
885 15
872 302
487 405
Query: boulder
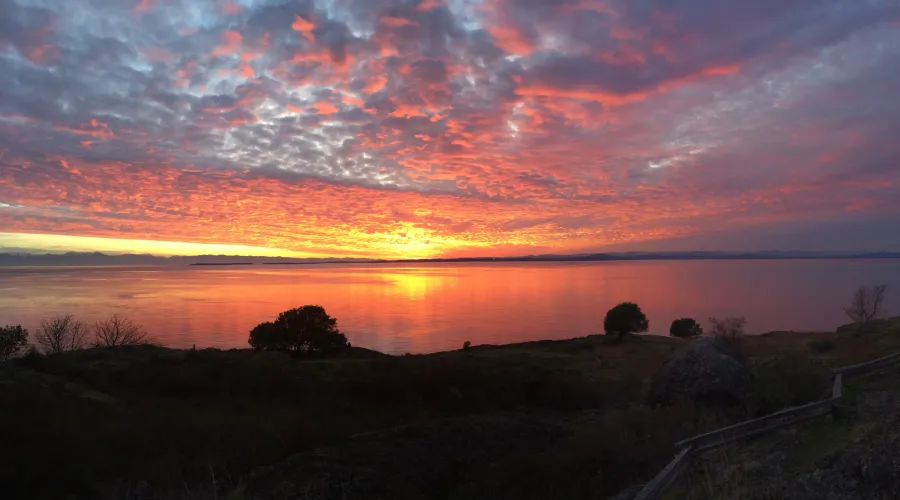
708 371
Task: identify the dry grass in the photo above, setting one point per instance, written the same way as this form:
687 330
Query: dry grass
143 420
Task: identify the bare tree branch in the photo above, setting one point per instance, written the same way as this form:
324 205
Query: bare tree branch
866 304
118 331
61 334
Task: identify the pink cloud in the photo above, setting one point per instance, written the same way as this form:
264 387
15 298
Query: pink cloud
144 6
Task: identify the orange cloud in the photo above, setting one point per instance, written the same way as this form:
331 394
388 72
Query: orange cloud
94 128
511 39
426 5
231 44
325 108
304 27
396 22
375 83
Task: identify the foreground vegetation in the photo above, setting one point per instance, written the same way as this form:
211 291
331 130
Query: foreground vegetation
554 419
99 412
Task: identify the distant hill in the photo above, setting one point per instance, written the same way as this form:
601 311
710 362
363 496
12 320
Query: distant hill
101 259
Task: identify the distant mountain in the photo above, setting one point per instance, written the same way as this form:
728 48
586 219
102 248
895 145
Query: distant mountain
593 257
101 259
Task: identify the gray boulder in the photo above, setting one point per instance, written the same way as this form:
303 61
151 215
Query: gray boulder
708 371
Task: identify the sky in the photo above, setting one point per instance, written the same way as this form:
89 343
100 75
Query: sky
449 128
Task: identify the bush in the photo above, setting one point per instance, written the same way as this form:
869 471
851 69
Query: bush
118 331
12 340
61 334
789 380
730 330
308 329
684 328
625 318
819 346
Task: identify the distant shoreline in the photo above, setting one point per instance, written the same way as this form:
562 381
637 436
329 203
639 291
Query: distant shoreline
603 258
100 259
222 264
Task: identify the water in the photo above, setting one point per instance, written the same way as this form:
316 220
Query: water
426 308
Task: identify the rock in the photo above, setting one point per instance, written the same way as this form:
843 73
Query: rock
708 371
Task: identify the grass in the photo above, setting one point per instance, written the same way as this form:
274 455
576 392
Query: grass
106 422
790 374
147 421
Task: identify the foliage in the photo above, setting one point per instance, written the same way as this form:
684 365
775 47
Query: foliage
685 327
625 318
61 334
466 345
308 329
269 337
789 380
110 420
730 330
117 331
12 340
865 304
819 346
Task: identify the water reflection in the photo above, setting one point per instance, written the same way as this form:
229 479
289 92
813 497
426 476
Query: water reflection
420 308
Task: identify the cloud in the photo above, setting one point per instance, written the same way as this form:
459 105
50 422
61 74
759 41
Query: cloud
387 127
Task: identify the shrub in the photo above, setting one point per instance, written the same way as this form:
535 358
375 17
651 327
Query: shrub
819 346
118 331
625 318
684 328
789 380
466 345
12 340
61 334
730 330
308 329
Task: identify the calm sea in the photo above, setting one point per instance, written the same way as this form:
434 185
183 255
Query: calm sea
426 308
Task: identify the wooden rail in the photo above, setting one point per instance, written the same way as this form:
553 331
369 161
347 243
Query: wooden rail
867 366
666 476
757 426
691 447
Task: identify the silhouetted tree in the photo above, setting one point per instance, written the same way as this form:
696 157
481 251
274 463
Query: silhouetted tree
118 331
12 340
307 329
61 334
866 304
269 337
685 327
625 318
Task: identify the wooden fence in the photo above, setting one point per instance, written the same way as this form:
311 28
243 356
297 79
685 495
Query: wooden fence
690 448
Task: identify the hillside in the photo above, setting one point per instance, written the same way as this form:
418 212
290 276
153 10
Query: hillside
553 419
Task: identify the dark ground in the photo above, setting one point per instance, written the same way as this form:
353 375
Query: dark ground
561 419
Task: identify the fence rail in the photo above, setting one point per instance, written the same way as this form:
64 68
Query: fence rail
867 366
691 447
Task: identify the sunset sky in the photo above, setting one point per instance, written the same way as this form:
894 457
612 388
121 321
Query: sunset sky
426 128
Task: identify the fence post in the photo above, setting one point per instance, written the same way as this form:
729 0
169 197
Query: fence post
837 395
